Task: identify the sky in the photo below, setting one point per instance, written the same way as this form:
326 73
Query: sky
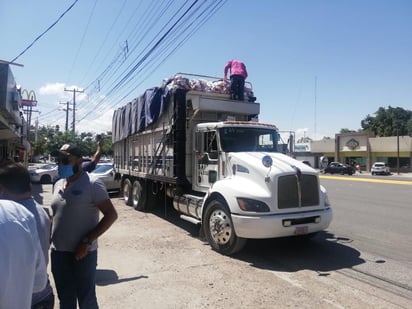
316 66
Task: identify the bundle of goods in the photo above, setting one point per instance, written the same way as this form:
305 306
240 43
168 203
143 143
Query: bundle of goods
178 82
199 85
216 86
220 86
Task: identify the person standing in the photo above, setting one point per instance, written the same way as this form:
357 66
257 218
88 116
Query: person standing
238 74
22 267
77 200
15 185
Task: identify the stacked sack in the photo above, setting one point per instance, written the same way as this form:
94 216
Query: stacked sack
217 86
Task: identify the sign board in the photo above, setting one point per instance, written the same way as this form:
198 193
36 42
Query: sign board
302 147
25 102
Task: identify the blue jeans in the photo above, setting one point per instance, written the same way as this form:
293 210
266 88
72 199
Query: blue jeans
75 280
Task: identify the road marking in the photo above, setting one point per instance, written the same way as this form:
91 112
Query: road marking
397 182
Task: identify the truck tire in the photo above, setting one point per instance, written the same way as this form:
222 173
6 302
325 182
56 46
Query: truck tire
127 192
45 179
219 230
139 195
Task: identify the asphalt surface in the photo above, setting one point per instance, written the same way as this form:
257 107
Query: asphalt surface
156 260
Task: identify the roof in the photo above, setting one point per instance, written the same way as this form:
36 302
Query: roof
322 146
390 144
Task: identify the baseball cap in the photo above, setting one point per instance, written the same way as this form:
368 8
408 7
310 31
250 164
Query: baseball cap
67 149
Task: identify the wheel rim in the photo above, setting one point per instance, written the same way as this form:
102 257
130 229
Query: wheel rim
220 227
136 194
126 191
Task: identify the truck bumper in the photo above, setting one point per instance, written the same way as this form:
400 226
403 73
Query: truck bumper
273 226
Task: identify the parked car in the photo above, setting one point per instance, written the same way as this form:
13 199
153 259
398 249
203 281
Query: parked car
339 168
380 168
105 172
46 173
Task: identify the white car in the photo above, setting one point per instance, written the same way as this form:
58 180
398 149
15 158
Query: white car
105 172
380 168
46 173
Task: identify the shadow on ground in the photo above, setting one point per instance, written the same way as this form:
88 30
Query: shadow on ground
323 253
108 277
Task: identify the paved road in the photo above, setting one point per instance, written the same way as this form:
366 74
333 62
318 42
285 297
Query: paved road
155 260
373 215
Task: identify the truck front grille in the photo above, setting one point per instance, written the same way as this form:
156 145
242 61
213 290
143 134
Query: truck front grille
298 191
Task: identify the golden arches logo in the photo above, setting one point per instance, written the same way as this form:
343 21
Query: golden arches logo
31 98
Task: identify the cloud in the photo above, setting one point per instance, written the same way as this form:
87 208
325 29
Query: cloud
58 90
100 124
301 132
52 89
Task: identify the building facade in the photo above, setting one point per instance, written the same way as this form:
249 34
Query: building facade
359 148
13 126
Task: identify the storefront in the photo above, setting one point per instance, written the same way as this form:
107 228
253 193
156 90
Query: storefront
362 149
353 149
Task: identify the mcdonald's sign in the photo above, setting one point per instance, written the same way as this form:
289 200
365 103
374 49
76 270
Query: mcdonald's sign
31 98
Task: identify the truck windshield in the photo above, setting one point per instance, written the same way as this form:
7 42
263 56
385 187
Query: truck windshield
237 139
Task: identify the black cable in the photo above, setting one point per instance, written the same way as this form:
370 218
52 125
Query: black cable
147 46
169 38
163 51
82 40
52 25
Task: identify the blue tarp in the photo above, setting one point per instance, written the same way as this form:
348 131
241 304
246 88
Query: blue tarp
137 115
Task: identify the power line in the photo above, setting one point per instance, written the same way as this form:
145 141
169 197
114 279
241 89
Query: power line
82 40
203 16
50 27
150 57
147 54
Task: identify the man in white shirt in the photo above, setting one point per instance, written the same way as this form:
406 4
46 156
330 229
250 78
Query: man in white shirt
15 185
22 266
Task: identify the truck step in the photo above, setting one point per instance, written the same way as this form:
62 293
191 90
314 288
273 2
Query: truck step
190 219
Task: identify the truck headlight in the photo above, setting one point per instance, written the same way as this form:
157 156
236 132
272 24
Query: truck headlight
247 204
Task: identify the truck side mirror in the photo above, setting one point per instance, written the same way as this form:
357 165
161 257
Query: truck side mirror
212 176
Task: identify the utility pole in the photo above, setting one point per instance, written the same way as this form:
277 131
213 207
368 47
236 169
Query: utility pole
74 107
397 147
67 109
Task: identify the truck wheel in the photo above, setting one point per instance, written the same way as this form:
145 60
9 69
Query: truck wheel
45 179
219 231
127 192
139 195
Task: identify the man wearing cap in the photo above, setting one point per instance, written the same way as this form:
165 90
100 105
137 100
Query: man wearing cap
77 200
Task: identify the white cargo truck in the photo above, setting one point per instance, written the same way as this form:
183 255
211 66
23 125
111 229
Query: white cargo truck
188 144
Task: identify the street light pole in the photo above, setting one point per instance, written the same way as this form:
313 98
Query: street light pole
397 147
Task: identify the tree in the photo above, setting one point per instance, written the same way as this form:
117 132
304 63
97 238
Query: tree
50 138
389 122
346 130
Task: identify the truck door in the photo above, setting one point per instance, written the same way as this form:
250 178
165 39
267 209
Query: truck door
207 158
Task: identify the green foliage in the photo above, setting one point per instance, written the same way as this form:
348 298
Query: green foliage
389 122
50 139
346 130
